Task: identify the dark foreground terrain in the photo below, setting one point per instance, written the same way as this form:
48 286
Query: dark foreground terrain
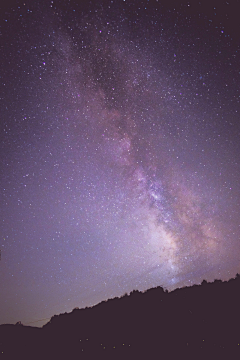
201 322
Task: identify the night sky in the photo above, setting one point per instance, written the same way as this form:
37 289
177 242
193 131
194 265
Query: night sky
120 150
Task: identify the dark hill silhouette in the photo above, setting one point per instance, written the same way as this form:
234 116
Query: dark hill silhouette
199 322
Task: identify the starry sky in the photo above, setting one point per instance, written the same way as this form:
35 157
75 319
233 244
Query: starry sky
120 151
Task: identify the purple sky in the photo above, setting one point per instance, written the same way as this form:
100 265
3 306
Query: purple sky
119 151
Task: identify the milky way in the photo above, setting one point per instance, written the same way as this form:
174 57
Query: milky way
120 151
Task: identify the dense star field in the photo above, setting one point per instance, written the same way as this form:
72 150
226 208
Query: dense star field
120 151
